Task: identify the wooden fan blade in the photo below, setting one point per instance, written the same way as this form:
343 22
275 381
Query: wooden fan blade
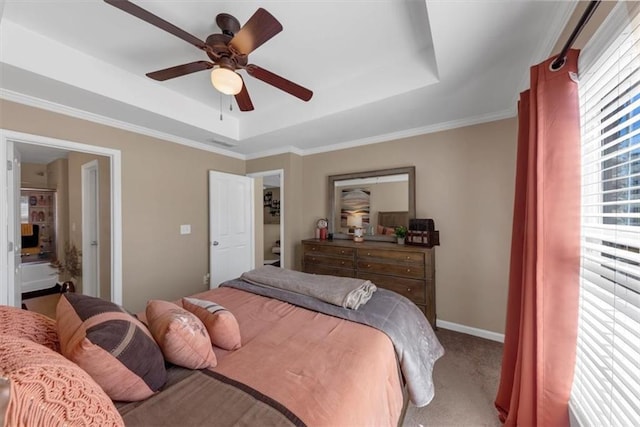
180 70
243 99
279 82
258 29
152 19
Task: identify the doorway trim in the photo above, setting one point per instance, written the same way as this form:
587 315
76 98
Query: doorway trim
280 172
115 162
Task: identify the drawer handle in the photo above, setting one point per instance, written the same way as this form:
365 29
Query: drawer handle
342 263
408 289
408 257
368 265
408 270
368 253
313 259
313 248
342 252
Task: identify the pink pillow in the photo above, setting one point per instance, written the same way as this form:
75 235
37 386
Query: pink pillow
379 229
389 231
182 337
45 389
28 324
221 324
114 347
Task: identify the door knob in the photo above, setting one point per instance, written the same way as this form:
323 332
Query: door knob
94 243
215 243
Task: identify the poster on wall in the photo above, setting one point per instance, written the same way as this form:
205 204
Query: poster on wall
355 202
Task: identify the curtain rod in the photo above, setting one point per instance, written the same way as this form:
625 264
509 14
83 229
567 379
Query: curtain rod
559 61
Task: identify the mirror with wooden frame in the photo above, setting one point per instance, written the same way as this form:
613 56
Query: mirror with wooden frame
371 202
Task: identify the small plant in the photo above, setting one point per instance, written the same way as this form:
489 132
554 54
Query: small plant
70 267
401 231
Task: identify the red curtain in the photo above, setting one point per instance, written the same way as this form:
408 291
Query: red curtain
542 311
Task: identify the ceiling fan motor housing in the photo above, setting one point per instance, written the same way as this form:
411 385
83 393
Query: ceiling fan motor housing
228 24
219 49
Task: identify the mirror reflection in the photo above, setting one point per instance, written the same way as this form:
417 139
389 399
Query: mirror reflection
371 203
361 201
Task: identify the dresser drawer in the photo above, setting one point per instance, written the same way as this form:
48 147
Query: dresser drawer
329 250
407 270
415 271
384 254
322 269
410 288
313 259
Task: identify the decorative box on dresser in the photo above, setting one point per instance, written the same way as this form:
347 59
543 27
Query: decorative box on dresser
407 270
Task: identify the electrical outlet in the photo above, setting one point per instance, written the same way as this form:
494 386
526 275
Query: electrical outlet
205 279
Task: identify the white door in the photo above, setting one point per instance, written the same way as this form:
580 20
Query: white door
90 230
13 219
230 226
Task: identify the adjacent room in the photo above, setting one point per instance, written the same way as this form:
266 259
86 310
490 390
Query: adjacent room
408 213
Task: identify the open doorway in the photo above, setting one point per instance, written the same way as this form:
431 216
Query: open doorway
272 222
54 167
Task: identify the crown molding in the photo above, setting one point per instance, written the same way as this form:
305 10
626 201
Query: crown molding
505 114
274 152
31 101
96 118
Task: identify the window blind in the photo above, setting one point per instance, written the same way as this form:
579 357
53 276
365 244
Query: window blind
606 388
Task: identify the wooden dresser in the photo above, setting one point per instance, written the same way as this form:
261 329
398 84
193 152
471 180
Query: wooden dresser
407 270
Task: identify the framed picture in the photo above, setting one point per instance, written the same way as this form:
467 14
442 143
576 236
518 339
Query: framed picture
355 201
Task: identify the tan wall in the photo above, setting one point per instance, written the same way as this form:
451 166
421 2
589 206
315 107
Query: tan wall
33 175
465 182
75 162
259 226
271 234
58 178
163 185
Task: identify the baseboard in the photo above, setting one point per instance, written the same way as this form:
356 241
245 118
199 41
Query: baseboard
482 333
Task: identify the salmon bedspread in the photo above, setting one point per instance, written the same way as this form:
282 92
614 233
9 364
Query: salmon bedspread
327 371
296 366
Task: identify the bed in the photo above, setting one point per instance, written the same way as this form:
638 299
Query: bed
306 367
303 360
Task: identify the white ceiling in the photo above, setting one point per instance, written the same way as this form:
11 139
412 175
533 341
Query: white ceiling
379 69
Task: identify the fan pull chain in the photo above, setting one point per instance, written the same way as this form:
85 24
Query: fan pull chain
230 104
220 93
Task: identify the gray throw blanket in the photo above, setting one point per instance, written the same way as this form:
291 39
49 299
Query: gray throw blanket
415 343
341 291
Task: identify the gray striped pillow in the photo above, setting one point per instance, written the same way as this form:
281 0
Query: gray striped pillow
221 324
111 345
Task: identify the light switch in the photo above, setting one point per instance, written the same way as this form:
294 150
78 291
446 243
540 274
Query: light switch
185 229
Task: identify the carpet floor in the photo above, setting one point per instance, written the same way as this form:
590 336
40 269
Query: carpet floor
466 381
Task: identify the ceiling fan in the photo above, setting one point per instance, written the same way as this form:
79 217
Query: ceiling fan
229 51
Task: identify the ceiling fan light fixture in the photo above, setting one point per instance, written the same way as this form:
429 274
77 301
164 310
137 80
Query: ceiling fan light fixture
226 81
